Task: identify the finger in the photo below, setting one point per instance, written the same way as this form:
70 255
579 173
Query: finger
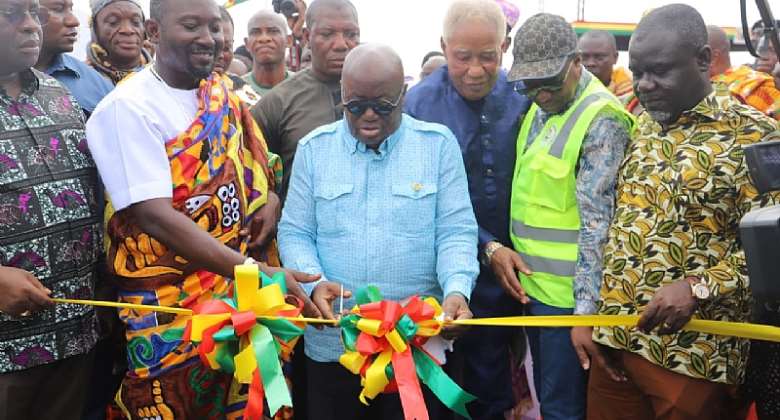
302 277
38 285
509 289
259 241
519 264
513 282
613 372
583 356
648 320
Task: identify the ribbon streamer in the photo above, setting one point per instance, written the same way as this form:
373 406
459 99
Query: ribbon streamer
384 345
246 334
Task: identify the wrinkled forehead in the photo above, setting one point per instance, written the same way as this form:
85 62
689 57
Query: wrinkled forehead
657 48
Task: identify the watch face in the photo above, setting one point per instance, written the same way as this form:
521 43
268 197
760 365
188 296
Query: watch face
701 291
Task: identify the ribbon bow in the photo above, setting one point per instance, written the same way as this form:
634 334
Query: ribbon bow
241 335
384 345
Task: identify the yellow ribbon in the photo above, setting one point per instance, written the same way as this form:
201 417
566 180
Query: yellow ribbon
729 329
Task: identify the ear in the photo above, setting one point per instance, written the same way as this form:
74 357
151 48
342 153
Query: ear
704 59
291 40
306 36
505 45
153 30
443 46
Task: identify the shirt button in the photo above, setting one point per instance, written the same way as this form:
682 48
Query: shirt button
486 142
489 172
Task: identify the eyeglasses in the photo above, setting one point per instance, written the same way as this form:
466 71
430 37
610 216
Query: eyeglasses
381 107
16 15
552 86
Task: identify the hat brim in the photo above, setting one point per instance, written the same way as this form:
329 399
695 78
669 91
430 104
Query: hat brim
537 70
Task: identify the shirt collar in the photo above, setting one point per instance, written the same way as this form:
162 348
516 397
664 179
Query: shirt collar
62 63
354 145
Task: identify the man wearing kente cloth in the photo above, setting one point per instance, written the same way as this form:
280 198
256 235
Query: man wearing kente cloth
187 173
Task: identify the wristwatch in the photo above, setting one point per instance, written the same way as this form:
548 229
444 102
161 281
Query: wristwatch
699 288
490 249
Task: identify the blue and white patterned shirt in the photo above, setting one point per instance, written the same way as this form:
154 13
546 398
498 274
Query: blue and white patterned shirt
399 218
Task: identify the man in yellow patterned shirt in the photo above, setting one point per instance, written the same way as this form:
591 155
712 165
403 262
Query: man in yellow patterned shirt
673 250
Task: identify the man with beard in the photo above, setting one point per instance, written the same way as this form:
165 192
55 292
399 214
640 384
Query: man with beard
673 250
570 146
394 188
49 231
59 36
267 41
185 169
116 50
472 97
312 97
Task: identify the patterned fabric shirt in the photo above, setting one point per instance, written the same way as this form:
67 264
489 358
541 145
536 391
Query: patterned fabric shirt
399 217
681 194
49 220
753 88
620 84
600 156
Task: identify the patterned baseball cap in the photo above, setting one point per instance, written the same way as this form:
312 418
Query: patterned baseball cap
542 47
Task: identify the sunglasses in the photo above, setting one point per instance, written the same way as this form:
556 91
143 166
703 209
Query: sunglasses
16 15
550 86
381 107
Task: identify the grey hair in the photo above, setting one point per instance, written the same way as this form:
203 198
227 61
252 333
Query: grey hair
466 10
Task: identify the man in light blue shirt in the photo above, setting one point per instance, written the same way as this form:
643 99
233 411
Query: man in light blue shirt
59 36
376 198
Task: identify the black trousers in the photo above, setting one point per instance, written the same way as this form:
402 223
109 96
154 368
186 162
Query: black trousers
333 395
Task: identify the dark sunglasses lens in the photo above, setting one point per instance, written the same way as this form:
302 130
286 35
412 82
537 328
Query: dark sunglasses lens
357 108
382 109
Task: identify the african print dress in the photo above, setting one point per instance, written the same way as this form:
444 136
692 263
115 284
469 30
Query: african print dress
221 176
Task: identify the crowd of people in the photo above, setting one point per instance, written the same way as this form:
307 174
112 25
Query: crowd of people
562 186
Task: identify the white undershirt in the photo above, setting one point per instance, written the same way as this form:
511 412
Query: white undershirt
127 135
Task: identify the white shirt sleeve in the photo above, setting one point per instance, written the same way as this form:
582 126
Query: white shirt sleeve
130 154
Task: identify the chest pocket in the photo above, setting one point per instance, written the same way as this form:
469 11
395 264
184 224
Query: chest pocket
414 208
332 207
549 183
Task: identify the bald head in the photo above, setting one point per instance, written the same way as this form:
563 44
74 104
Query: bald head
373 64
720 45
372 85
317 6
681 20
266 18
599 54
600 36
670 59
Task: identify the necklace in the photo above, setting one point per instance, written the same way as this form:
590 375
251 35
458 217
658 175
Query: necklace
170 91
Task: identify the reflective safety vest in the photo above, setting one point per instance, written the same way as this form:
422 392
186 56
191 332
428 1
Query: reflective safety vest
545 225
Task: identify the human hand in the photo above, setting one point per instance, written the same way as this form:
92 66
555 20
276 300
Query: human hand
323 296
262 225
505 263
455 307
292 280
582 340
296 22
22 293
672 307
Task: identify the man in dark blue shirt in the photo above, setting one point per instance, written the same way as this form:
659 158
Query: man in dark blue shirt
471 96
59 36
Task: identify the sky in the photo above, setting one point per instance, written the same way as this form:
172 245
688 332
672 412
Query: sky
413 27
